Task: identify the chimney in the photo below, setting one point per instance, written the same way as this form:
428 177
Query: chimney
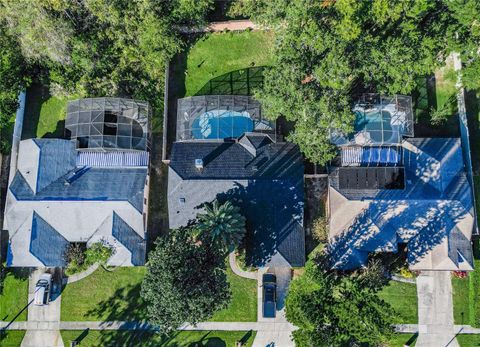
199 164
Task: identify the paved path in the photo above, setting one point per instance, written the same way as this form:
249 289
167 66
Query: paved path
38 315
236 269
81 275
458 329
435 310
231 25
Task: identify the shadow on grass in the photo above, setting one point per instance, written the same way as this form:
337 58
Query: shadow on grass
424 101
125 304
239 82
37 94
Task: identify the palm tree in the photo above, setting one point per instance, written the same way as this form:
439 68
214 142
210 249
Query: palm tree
222 223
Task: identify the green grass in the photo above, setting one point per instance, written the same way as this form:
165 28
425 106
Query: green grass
14 297
94 338
403 298
115 295
468 340
243 306
466 297
400 340
221 53
105 296
44 113
11 338
461 300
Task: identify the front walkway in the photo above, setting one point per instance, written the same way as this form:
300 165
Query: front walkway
47 316
435 310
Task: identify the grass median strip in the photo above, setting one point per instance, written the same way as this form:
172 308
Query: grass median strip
95 338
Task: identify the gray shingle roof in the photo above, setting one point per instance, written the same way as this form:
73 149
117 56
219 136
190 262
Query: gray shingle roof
270 196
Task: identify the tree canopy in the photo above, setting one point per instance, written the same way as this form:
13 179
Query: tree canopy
185 281
328 51
222 224
102 47
333 309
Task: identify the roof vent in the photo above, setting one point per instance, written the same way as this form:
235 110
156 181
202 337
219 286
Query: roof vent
199 164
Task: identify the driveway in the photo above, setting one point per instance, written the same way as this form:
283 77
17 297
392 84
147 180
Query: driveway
274 334
47 315
435 310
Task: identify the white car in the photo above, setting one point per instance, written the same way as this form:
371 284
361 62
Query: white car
43 289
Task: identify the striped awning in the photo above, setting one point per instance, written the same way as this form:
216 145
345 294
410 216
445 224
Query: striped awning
371 156
103 159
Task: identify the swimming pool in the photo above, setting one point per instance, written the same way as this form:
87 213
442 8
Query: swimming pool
378 124
221 124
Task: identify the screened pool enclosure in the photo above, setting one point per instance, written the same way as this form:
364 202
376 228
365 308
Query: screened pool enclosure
108 124
218 117
379 120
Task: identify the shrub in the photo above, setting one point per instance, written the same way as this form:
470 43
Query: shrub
405 272
98 252
79 260
320 229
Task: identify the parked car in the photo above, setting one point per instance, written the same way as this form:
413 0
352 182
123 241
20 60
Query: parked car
43 289
269 283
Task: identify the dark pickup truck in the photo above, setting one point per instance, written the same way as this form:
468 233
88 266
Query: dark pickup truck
269 282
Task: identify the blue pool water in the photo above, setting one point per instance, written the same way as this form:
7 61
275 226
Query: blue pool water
221 124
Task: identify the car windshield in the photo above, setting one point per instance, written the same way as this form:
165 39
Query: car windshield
42 283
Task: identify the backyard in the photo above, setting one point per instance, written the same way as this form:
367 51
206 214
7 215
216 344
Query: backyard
95 338
14 296
115 295
44 113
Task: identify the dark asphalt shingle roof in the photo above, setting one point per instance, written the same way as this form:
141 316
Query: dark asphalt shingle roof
230 160
270 197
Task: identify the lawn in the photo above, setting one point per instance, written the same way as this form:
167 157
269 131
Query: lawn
461 301
11 338
216 55
14 297
466 297
243 307
401 340
403 298
115 295
468 340
105 295
44 113
181 339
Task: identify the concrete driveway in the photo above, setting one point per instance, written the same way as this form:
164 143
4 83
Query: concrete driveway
44 315
273 334
435 310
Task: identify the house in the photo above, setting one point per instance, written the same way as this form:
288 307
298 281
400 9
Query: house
226 150
392 191
89 187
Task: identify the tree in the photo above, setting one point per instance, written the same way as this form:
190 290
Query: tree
103 47
13 79
185 281
334 309
464 38
222 224
326 52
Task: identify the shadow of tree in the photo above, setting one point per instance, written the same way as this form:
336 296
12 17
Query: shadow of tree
125 304
424 101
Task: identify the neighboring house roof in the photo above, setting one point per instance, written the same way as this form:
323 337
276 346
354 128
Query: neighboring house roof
52 202
264 178
433 214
